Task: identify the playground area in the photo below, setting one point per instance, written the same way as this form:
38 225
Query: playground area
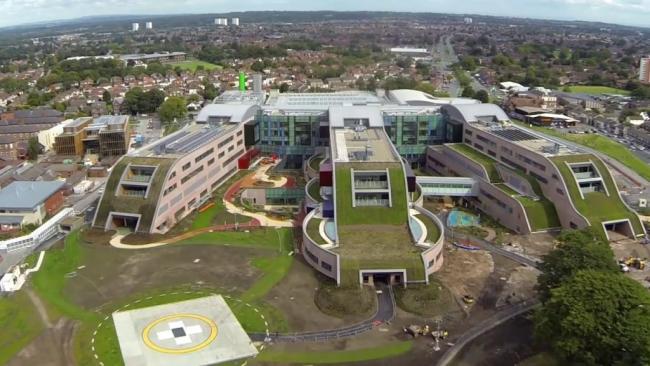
458 218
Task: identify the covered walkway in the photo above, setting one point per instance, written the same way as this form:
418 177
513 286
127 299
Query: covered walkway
448 186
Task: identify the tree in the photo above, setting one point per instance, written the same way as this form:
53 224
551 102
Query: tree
174 108
34 99
426 88
106 97
482 95
33 148
284 87
578 250
257 66
209 90
468 92
597 318
404 62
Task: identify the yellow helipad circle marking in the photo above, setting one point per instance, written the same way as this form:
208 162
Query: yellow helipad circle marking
147 340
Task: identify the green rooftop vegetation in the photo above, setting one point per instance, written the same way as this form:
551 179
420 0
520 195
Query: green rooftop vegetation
487 162
314 163
541 213
145 206
314 190
433 231
506 188
386 242
348 215
596 206
313 231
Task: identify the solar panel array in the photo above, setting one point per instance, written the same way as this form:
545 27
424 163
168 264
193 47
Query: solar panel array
514 135
193 141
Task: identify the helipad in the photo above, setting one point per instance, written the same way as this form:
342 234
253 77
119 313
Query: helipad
197 332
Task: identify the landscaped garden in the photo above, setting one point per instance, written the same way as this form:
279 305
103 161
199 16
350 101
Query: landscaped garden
52 284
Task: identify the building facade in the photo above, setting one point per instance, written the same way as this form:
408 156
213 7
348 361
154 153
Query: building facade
153 188
527 182
644 70
105 136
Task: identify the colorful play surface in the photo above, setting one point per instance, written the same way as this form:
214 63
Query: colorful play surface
457 218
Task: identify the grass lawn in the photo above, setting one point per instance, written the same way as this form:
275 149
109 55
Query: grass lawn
20 324
425 300
345 301
433 231
191 65
596 90
596 206
487 162
50 282
603 144
332 357
217 214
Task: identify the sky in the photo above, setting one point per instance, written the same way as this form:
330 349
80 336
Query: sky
628 12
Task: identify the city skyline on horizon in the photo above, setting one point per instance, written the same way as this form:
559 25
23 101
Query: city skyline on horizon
623 12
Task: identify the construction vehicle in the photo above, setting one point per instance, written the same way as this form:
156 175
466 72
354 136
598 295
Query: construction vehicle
634 262
468 299
416 330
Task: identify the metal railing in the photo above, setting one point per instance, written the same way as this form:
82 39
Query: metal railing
368 202
370 184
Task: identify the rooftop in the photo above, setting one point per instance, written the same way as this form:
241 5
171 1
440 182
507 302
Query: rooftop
236 113
493 120
238 96
27 195
322 100
362 144
186 140
143 56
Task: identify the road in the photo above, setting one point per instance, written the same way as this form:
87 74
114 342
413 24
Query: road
484 326
385 312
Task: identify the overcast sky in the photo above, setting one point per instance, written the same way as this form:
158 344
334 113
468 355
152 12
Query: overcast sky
629 12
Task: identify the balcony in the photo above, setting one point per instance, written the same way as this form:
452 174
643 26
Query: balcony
370 184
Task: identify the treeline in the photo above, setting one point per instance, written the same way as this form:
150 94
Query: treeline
218 55
591 313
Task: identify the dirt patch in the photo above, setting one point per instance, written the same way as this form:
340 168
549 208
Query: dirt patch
96 236
111 273
465 272
520 286
51 348
295 296
532 246
144 238
631 248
